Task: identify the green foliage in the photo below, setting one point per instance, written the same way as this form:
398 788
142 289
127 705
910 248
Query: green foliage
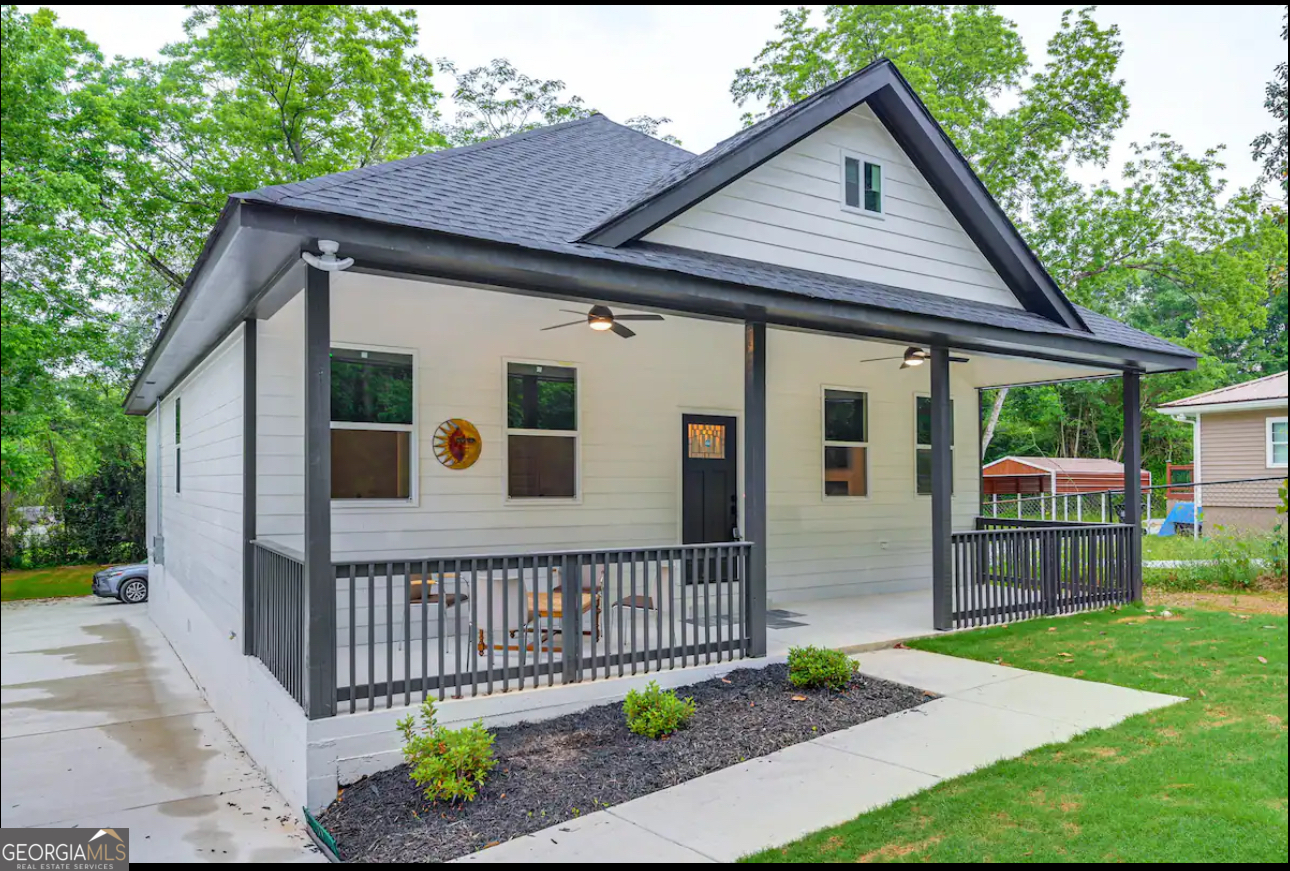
449 764
1235 560
1270 147
498 100
656 713
99 517
819 667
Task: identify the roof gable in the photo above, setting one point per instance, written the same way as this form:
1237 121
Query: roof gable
790 211
895 104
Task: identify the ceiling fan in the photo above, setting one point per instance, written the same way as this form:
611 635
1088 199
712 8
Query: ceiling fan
600 319
913 357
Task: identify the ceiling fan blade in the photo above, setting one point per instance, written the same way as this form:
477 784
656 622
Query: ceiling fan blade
558 326
881 359
622 331
638 317
960 360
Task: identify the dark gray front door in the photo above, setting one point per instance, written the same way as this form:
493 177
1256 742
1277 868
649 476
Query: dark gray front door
710 479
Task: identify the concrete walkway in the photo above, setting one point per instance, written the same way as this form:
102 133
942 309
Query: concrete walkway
986 713
100 725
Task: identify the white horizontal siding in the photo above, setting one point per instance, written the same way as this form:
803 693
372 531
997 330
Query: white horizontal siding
788 212
632 395
202 521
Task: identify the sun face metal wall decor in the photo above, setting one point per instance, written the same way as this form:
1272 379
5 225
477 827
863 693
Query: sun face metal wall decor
457 443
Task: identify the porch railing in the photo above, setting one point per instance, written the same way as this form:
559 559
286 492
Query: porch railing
278 590
1012 569
410 629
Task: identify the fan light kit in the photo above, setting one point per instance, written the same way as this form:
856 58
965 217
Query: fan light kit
601 319
913 356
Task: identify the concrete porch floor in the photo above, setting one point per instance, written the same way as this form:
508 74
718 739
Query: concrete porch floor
852 623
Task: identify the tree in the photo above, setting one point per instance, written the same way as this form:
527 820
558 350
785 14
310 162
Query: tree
498 100
60 149
1270 147
258 95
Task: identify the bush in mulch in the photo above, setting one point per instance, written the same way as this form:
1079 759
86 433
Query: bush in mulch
449 764
556 770
656 713
820 668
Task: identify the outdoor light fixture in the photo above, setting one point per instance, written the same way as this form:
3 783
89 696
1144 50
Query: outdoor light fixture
327 261
913 356
601 319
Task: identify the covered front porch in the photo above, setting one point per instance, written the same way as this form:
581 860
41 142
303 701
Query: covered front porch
450 594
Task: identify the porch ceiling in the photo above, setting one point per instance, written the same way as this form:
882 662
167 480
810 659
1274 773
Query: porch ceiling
251 266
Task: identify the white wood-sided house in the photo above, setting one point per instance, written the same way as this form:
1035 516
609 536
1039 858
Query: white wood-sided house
376 475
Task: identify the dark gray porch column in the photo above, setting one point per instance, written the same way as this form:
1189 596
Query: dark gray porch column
319 581
1133 477
249 348
755 481
942 490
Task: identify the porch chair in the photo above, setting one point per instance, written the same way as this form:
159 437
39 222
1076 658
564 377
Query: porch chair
590 593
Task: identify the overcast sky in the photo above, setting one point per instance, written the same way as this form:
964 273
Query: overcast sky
1196 72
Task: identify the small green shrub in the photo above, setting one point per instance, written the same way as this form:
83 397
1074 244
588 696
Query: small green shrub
449 764
820 667
656 713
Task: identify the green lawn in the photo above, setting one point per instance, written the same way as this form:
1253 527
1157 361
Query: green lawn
46 583
1201 781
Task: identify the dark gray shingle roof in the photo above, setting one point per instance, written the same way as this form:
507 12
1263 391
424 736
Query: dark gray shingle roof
542 188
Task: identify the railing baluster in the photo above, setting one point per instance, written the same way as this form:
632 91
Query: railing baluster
353 619
618 607
425 631
441 594
371 636
456 625
719 570
389 635
658 579
407 633
636 611
488 626
474 628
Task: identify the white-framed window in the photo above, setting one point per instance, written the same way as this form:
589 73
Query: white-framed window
846 442
923 444
373 425
862 185
1278 446
541 431
178 431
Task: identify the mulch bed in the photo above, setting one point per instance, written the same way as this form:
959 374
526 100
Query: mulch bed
556 770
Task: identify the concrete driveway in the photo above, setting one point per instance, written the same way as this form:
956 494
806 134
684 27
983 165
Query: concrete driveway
100 725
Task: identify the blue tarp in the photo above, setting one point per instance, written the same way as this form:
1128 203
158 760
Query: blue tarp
1182 512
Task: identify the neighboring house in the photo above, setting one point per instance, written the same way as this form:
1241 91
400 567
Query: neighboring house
1052 476
1239 435
375 473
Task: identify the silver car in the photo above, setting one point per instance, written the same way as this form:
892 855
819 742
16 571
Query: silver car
127 583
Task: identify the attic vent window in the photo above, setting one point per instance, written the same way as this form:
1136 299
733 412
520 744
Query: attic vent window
862 185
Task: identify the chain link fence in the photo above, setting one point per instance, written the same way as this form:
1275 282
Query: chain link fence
1243 504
